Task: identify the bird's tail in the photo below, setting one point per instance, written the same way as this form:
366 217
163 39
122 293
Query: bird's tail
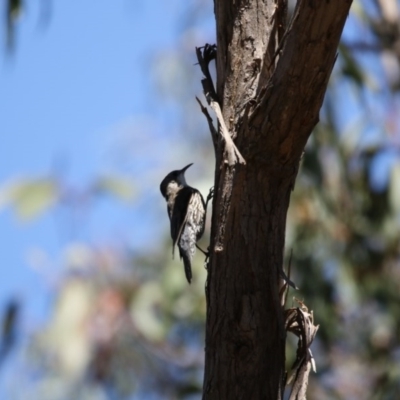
187 264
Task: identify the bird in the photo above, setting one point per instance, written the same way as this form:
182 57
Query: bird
187 214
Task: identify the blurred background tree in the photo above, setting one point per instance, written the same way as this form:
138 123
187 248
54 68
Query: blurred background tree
122 322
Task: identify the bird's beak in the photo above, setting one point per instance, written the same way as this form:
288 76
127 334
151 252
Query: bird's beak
184 169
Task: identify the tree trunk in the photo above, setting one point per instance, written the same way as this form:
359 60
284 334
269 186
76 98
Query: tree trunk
271 80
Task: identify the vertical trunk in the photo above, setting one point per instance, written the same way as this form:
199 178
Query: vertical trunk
270 86
245 333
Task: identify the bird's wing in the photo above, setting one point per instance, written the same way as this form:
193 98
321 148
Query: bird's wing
179 213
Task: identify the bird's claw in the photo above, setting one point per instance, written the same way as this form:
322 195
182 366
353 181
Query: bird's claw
210 195
207 254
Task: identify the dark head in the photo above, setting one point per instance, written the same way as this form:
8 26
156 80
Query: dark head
174 181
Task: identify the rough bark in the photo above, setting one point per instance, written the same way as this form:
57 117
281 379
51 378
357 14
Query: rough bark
271 81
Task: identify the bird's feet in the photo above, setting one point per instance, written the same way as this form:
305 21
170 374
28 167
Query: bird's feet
210 195
206 253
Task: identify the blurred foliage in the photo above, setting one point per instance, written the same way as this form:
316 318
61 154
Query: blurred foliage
8 331
13 10
30 197
126 325
123 330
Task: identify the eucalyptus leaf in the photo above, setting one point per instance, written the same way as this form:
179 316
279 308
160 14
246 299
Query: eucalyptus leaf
120 187
30 197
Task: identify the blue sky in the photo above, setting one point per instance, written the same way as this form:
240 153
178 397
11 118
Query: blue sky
68 87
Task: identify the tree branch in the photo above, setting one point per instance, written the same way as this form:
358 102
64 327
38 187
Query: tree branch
301 323
290 105
205 55
213 131
231 152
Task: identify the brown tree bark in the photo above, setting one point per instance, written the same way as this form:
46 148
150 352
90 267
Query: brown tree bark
271 80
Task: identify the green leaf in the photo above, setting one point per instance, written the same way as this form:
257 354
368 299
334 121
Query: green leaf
29 197
120 187
351 66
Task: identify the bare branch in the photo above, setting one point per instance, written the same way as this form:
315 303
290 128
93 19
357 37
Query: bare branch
284 290
301 323
204 57
232 153
213 130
